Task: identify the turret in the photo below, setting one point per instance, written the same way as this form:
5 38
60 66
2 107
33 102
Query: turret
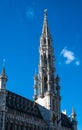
3 80
74 121
58 98
35 87
57 86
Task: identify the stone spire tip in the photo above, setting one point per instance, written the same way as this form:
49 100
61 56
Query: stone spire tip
3 71
45 14
45 11
73 113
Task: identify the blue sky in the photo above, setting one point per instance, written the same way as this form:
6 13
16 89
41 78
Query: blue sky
20 29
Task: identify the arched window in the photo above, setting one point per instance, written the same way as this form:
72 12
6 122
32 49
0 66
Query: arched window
53 105
44 41
45 83
49 57
45 60
49 42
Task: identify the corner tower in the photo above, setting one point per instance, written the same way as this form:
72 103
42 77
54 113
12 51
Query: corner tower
46 83
3 80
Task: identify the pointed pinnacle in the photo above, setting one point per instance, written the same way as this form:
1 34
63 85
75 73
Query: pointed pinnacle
45 29
45 12
3 71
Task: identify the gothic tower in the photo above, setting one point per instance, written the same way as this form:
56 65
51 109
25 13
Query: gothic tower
46 83
3 80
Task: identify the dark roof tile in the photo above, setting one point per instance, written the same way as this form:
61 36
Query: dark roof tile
19 103
65 121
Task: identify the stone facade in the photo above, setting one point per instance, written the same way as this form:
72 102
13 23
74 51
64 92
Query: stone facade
44 113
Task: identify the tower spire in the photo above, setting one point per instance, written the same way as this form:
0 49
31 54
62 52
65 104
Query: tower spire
46 85
45 29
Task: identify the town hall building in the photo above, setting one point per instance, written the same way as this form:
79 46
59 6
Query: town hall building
44 113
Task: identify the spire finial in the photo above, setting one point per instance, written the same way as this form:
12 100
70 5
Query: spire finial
45 29
73 110
45 12
73 113
3 67
4 60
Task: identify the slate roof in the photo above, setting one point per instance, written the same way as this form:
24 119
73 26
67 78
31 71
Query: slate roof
65 121
21 104
24 105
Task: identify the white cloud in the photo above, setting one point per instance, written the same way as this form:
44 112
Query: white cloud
77 63
69 56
